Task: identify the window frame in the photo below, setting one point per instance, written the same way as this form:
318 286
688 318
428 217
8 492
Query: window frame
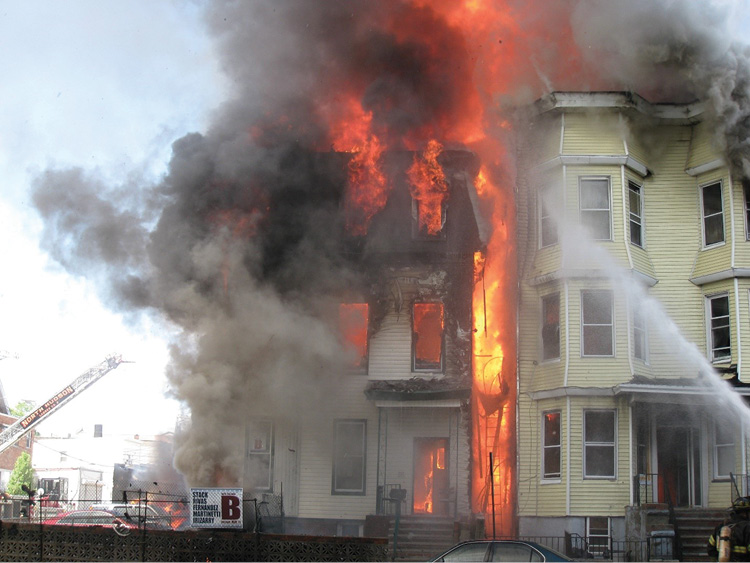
552 476
704 217
640 332
746 197
335 443
546 217
594 547
582 211
364 365
636 218
591 444
716 446
438 367
711 347
267 451
546 299
584 325
416 232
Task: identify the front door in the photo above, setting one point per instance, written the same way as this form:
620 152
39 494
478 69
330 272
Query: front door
431 481
678 459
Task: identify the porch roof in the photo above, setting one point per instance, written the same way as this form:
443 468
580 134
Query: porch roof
417 389
652 387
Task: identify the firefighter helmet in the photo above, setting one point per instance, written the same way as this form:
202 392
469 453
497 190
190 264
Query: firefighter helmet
741 504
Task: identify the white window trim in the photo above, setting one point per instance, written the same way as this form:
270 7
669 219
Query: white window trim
703 217
641 221
609 531
586 443
614 340
715 451
709 332
746 206
542 324
608 179
250 451
545 192
354 492
637 311
546 479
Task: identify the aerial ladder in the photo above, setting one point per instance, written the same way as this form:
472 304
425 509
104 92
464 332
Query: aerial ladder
15 431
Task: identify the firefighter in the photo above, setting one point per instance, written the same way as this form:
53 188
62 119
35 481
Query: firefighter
730 540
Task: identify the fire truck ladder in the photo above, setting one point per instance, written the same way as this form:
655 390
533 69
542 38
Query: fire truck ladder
15 431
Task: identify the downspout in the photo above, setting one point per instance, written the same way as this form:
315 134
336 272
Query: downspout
630 440
567 456
625 230
379 500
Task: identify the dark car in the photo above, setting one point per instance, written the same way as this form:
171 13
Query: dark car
500 550
89 518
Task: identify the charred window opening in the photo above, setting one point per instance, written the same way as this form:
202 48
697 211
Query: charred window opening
349 439
354 323
429 192
424 222
259 467
427 336
551 327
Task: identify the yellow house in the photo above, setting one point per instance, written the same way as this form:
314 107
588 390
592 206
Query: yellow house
634 315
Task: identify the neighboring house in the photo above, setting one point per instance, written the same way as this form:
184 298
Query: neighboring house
617 406
402 419
10 455
84 469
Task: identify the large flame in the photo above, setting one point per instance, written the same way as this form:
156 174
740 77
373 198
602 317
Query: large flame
429 188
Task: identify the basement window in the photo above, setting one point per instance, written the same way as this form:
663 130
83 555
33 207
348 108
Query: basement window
353 324
719 330
712 212
349 447
595 207
598 533
258 463
427 336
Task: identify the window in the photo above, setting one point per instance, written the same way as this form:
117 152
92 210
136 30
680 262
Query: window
55 489
353 324
636 214
258 469
549 203
551 450
428 220
598 534
640 336
746 191
594 207
427 336
599 444
720 341
597 320
723 450
713 214
349 439
551 326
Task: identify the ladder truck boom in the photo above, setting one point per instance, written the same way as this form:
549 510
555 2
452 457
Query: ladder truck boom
15 431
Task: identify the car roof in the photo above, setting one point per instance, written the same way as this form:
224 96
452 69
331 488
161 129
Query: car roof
549 553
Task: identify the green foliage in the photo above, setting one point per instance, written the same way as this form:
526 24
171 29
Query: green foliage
22 474
22 409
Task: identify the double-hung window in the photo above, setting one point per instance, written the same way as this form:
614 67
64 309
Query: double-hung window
640 335
719 330
349 447
259 467
597 323
723 450
599 448
635 199
595 207
551 449
712 212
551 326
549 204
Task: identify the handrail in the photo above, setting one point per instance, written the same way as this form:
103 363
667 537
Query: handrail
677 546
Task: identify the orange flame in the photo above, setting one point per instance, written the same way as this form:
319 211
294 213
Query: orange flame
428 332
429 188
353 323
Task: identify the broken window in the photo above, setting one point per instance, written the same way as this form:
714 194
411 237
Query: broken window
258 467
428 220
353 323
720 339
551 449
349 440
551 326
595 207
427 336
713 214
597 320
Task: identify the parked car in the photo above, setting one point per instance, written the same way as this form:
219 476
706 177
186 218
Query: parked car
500 550
137 514
89 518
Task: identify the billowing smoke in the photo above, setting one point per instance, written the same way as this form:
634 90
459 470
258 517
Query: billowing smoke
240 245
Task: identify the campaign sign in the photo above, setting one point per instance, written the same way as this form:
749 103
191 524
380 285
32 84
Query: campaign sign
215 507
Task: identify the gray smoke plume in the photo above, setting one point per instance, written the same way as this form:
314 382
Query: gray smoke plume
239 246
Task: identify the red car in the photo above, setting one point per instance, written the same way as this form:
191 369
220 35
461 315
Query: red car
91 518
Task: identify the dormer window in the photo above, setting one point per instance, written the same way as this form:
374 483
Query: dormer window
424 222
